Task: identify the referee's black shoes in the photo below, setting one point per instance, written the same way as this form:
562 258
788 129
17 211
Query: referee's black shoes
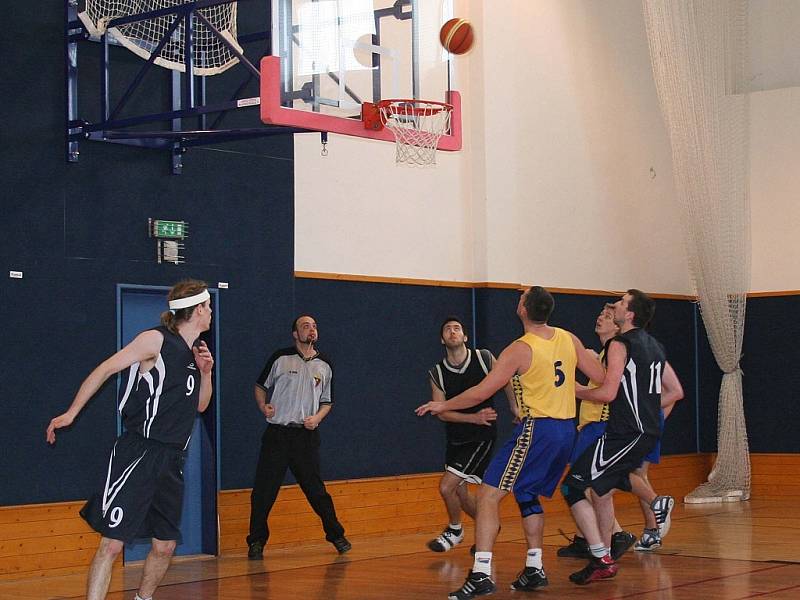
342 545
256 550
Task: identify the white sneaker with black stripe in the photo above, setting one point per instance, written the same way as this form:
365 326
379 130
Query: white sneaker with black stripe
662 507
663 528
447 540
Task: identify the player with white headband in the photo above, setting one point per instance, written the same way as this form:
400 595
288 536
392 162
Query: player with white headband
188 302
169 381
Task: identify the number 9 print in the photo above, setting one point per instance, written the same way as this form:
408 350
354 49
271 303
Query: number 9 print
115 518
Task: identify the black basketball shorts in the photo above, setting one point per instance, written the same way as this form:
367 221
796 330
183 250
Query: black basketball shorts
142 495
468 460
607 464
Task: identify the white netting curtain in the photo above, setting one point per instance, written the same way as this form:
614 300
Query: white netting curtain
211 56
698 50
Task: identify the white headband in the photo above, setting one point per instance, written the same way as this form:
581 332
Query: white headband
189 301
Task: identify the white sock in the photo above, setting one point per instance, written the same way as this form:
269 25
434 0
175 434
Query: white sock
138 597
483 563
457 526
598 551
534 558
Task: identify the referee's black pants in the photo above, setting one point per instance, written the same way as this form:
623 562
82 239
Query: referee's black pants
298 449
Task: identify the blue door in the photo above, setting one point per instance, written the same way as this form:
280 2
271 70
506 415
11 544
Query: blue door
140 308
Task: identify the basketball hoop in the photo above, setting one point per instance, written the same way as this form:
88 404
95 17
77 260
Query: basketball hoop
417 126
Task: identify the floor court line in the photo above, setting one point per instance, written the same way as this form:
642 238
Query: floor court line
698 582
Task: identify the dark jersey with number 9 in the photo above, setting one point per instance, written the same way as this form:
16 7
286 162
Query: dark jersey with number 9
161 404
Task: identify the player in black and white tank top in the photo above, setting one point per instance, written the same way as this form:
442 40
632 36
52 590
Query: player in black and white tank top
637 377
454 379
169 381
637 407
471 432
161 404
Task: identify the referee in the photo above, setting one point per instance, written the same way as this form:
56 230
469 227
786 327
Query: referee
294 393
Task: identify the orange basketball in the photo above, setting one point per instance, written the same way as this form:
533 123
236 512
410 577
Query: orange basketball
456 36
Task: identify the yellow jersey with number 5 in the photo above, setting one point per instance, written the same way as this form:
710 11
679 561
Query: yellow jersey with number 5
547 388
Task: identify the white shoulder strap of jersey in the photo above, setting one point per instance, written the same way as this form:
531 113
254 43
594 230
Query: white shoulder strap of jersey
479 354
440 378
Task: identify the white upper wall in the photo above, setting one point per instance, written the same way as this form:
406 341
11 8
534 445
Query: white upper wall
774 74
775 189
774 60
572 201
554 185
358 213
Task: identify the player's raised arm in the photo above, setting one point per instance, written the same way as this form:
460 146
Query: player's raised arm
607 391
515 357
510 395
587 361
145 347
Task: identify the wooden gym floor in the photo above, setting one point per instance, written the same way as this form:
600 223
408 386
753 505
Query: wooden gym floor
729 551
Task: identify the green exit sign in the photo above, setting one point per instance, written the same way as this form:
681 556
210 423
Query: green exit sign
160 228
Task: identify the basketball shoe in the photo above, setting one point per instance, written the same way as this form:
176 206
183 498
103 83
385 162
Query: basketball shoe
621 543
447 540
662 507
530 579
649 541
477 584
598 568
577 548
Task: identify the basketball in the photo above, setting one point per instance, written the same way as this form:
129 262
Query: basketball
456 36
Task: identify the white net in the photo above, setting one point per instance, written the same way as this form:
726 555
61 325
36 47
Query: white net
209 53
417 126
698 50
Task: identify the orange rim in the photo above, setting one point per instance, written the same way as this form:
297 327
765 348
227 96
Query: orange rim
406 106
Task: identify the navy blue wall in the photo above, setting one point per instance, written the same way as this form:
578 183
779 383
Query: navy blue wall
771 381
771 378
77 230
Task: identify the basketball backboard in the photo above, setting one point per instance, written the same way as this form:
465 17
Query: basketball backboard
330 58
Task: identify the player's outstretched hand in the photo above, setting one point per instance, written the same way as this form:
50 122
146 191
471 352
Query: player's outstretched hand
203 358
430 407
60 421
485 416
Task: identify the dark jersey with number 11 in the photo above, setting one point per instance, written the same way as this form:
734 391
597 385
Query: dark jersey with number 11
161 404
637 407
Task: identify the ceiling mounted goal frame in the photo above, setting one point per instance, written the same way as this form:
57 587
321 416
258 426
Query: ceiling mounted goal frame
187 122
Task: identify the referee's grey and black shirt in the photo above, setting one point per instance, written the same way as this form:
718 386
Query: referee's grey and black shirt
297 386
